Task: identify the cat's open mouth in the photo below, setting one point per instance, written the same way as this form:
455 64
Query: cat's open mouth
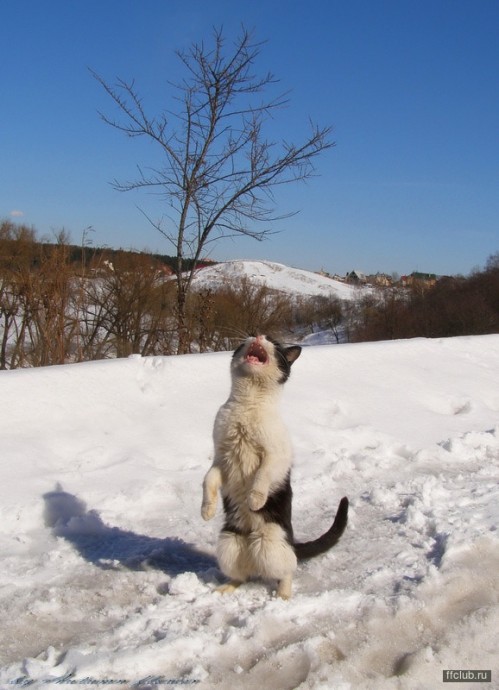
256 354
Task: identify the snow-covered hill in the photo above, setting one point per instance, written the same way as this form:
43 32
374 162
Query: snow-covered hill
275 276
108 570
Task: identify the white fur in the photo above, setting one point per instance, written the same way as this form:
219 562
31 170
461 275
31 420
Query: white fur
252 458
264 552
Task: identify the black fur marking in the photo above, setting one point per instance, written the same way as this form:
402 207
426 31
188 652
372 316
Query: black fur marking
285 357
238 350
230 511
277 509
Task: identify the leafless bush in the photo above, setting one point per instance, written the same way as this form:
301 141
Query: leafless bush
53 312
223 317
35 298
129 308
319 312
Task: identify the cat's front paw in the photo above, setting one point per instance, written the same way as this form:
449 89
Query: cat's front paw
208 511
257 499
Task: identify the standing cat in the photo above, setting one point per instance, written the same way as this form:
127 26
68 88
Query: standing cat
252 468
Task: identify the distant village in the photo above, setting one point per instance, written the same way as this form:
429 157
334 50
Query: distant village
384 280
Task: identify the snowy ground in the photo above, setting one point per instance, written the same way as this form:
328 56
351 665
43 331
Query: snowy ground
108 570
276 276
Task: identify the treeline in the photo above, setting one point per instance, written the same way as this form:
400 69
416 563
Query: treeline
57 306
453 306
77 255
55 310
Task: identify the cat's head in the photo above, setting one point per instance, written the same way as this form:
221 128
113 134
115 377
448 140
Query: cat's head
264 359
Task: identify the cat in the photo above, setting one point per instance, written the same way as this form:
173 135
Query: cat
252 467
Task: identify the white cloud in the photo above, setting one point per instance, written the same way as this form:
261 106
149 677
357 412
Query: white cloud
17 214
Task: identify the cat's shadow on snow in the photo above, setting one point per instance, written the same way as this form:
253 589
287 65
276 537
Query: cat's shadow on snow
114 548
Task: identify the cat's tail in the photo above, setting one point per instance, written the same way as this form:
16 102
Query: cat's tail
314 548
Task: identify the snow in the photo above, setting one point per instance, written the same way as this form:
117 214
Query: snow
108 573
275 276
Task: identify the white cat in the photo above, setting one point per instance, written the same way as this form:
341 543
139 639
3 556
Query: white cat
252 467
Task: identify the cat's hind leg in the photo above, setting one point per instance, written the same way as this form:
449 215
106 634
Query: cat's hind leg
273 556
234 559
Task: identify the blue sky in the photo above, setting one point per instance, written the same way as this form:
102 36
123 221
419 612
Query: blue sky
410 87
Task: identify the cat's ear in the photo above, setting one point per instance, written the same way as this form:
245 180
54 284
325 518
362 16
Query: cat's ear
292 353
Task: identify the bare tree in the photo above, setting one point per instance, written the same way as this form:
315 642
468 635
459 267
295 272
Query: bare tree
218 168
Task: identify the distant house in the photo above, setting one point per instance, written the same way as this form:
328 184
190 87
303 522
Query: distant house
356 278
380 280
419 279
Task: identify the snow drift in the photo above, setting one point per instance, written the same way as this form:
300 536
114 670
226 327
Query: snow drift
108 573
